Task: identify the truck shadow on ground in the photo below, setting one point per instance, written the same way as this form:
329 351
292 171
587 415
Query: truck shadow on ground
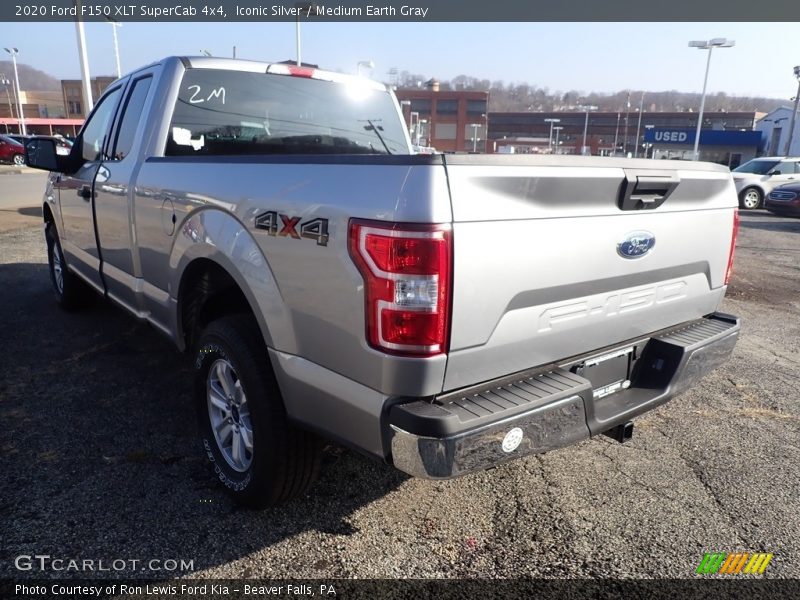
772 222
99 448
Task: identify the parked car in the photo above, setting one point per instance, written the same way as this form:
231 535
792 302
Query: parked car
443 313
11 151
756 178
784 200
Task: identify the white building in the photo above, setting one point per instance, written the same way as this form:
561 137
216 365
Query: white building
775 130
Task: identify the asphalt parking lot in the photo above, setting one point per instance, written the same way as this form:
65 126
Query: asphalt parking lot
100 459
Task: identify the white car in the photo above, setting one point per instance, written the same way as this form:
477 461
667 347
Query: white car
756 178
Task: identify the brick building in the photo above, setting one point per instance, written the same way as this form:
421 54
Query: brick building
448 120
73 96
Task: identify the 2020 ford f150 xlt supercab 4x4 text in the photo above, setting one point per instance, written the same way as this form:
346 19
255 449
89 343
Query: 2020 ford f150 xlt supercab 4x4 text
444 313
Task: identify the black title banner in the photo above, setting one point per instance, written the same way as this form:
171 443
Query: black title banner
388 589
399 10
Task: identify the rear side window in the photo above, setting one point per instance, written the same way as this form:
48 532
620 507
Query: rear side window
783 168
226 113
131 117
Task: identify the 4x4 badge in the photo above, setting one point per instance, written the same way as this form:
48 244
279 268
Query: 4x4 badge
315 229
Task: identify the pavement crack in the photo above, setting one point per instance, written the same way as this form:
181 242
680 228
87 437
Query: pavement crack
635 480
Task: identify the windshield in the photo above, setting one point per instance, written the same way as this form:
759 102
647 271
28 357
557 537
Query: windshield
11 141
759 167
234 113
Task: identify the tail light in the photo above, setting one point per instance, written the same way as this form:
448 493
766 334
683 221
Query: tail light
735 233
407 283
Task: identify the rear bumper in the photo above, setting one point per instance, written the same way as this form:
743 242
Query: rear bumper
481 427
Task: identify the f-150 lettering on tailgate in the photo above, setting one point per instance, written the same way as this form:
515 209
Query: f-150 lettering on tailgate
609 305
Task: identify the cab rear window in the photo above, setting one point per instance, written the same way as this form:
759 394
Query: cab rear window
229 113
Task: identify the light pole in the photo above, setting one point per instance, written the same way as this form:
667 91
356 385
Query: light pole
586 127
794 113
13 52
86 78
414 124
557 130
5 83
638 127
301 6
364 63
616 135
648 128
706 45
627 114
550 141
420 127
114 26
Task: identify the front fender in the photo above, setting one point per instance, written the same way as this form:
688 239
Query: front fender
216 235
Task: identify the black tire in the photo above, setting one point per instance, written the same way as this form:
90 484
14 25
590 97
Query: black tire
283 461
70 292
751 198
18 160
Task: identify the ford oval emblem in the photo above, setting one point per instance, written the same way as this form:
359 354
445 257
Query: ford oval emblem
636 244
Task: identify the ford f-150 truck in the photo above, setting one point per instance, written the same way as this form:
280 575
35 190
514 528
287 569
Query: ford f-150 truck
444 313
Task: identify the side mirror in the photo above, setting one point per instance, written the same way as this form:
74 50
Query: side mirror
774 173
40 153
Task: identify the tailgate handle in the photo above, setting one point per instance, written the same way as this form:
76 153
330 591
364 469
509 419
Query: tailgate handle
646 192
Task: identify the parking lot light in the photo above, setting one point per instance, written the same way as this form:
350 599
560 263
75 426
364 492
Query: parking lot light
557 130
550 141
794 113
706 45
13 52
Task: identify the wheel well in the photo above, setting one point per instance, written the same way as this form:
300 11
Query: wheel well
207 292
47 214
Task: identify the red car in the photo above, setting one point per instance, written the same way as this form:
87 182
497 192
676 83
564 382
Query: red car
11 151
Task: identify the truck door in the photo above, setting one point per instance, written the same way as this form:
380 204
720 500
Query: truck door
76 191
113 192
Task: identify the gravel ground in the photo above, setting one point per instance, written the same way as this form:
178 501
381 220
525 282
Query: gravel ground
100 460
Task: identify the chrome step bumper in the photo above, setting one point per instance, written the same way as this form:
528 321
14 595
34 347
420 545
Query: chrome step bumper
535 412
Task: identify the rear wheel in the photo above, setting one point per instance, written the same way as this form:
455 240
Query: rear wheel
70 292
751 198
254 451
19 160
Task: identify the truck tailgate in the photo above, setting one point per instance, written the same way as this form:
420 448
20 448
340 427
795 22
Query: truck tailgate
538 272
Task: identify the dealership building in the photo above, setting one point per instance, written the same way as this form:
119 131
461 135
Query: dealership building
775 129
726 137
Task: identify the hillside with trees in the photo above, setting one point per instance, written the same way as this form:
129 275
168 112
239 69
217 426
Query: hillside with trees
30 79
523 97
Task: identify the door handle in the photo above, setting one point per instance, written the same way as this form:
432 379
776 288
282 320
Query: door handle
85 192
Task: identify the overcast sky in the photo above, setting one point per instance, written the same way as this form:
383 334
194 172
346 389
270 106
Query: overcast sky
602 57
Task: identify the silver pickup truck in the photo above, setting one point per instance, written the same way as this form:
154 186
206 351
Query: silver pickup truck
444 313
